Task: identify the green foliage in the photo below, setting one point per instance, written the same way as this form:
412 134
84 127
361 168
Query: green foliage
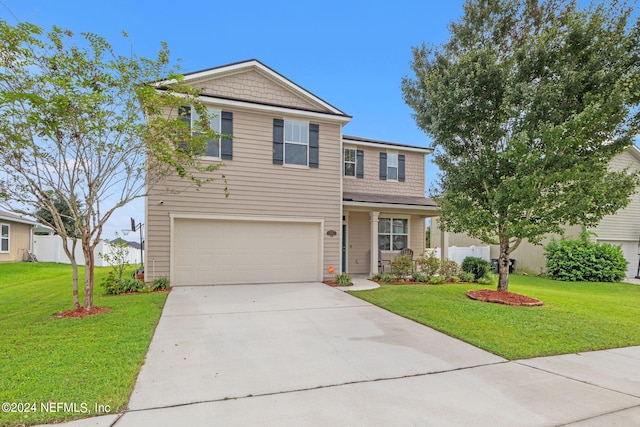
449 268
159 284
583 260
467 277
90 118
386 278
476 266
114 286
419 277
117 257
437 280
486 280
428 264
343 279
401 266
527 103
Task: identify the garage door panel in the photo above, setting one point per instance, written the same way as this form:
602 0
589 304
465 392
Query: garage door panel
229 251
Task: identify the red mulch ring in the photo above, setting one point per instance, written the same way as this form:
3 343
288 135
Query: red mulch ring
334 284
79 313
503 297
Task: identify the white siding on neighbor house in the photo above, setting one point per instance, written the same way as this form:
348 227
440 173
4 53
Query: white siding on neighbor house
257 187
372 184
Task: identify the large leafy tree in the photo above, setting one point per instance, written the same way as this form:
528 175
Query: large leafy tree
82 132
527 103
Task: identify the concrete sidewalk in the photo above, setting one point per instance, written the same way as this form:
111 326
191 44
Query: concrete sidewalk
309 354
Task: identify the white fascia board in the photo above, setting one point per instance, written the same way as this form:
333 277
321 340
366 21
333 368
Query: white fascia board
285 111
392 206
421 150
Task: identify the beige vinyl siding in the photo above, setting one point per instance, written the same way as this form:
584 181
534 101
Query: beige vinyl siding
625 224
358 242
19 241
372 184
254 86
257 187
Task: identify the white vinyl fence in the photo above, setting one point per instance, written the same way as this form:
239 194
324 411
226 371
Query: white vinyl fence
458 254
49 249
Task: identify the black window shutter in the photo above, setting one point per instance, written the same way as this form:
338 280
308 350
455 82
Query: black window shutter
401 167
383 166
278 141
226 127
314 134
359 164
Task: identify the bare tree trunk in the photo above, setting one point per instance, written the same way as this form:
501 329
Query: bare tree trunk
87 249
503 264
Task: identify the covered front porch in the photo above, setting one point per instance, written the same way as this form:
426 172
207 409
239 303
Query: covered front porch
376 224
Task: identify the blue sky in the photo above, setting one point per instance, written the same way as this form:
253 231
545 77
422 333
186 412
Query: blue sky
352 54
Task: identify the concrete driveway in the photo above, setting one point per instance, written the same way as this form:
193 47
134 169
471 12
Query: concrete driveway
307 354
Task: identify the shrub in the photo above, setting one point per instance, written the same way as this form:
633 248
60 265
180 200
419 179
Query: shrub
117 257
386 278
583 260
343 279
113 286
486 280
401 266
437 280
160 284
419 277
448 268
467 277
428 264
476 266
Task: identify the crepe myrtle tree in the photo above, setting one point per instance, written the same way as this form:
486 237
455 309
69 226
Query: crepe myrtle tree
527 103
83 132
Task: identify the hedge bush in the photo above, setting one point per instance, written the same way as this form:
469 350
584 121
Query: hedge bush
476 266
583 260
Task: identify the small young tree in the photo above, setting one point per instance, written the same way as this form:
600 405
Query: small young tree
527 103
82 127
117 257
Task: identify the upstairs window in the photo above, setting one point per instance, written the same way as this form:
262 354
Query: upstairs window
221 122
349 162
392 166
296 143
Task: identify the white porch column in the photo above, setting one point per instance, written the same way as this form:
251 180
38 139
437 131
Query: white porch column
444 241
374 243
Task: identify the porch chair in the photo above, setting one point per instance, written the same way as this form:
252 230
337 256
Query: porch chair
407 251
380 263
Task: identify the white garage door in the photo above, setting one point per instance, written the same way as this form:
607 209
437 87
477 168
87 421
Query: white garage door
214 252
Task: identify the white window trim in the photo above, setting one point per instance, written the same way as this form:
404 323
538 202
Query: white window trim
8 238
392 217
396 167
218 118
355 162
285 142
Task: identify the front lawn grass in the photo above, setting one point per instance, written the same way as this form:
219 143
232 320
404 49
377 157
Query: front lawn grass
91 361
575 317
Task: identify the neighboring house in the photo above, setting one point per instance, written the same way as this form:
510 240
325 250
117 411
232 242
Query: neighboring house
16 235
622 229
303 197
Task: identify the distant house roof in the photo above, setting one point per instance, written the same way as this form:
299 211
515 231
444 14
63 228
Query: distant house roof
377 143
8 216
135 245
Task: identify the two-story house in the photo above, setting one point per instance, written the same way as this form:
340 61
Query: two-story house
303 197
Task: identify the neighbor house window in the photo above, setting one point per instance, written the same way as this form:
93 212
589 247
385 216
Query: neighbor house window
392 166
393 234
296 143
349 162
190 115
4 238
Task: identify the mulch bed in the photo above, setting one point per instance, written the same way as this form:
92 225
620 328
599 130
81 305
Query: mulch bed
503 297
334 284
79 313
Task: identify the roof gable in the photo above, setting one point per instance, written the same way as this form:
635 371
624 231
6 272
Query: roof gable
255 82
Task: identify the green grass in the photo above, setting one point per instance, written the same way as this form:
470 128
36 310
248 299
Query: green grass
43 359
575 317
